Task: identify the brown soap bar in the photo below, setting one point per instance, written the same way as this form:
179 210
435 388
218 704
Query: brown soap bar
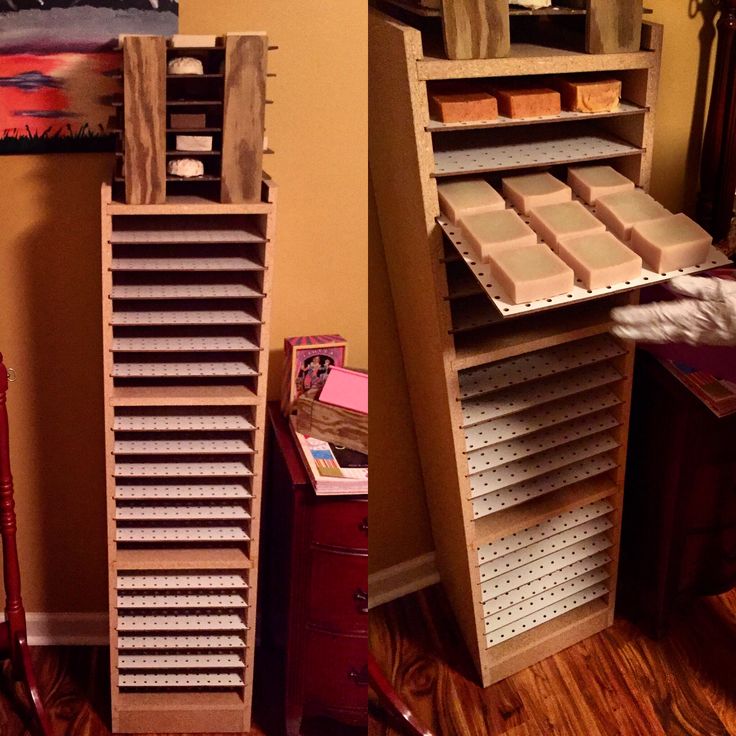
462 107
194 121
528 103
589 95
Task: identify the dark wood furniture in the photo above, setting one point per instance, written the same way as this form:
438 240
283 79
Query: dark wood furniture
314 604
13 636
679 524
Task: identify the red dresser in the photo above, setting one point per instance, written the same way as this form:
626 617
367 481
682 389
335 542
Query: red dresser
314 588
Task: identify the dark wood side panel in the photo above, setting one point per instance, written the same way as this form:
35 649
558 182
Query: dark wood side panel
613 26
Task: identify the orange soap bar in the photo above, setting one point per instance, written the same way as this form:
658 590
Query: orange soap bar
600 260
671 242
534 190
463 197
621 211
462 107
568 219
528 103
589 95
591 183
531 273
490 233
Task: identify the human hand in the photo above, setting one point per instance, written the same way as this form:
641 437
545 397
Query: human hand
709 318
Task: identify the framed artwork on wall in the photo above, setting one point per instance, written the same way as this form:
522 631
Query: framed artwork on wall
60 71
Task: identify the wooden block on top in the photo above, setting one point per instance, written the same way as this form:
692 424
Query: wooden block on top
332 423
144 81
243 117
613 27
462 107
188 120
528 102
589 95
476 29
189 41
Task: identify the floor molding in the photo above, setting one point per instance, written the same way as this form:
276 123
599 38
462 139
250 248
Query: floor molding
402 579
73 629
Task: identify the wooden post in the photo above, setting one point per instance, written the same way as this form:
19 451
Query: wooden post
613 26
243 117
476 29
144 77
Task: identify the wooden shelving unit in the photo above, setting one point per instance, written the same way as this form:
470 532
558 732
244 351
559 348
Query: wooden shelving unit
186 303
521 414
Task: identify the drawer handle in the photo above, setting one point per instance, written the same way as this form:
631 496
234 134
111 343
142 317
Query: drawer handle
363 526
361 600
359 677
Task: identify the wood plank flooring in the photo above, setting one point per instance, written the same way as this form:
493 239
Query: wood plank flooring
617 683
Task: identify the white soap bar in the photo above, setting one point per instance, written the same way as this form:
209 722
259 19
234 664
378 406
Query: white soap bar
535 190
489 233
185 167
620 212
600 260
592 182
555 221
531 273
186 65
468 197
194 143
671 242
189 41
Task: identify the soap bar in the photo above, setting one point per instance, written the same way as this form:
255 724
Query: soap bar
190 41
555 221
489 233
621 211
600 260
194 143
464 197
462 107
187 168
671 242
186 65
534 190
589 95
528 103
188 120
531 273
592 182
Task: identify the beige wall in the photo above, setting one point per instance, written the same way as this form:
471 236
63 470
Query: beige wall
399 521
49 277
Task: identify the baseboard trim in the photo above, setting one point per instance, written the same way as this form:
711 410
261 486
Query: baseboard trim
402 579
69 629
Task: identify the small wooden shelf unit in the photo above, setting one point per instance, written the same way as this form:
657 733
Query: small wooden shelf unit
522 420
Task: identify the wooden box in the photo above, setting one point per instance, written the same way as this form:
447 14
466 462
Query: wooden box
332 423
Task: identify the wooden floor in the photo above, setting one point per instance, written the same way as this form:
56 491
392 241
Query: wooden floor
617 683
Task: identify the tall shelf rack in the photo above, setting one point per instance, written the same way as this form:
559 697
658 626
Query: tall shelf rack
521 419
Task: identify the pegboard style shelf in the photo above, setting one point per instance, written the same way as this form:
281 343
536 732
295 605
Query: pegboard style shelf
161 535
160 233
186 291
180 622
180 600
542 149
182 370
181 492
191 469
190 581
189 661
176 318
187 512
233 343
127 642
182 447
165 420
186 264
185 681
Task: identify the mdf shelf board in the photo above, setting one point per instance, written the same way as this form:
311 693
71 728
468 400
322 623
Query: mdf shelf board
185 291
160 535
176 582
559 523
559 434
233 343
533 420
151 622
214 680
624 109
541 485
513 473
537 550
170 600
161 233
544 614
544 598
558 560
186 264
182 447
224 369
128 642
185 512
184 469
175 395
543 149
189 661
180 492
538 364
199 558
190 204
183 317
506 307
501 403
547 582
204 420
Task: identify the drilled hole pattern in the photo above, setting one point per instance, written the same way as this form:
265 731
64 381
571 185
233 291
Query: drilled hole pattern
209 680
169 600
162 232
183 370
180 492
185 291
131 642
217 660
159 534
152 318
210 511
181 581
186 264
183 447
233 343
172 620
191 419
191 469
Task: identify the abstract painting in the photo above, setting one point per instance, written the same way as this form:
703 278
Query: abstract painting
60 70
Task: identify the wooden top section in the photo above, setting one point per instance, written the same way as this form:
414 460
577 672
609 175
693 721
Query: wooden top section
199 558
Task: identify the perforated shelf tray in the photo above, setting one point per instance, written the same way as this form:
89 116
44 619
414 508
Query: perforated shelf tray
181 470
188 661
209 680
180 581
183 512
182 370
169 600
128 642
203 317
154 535
208 420
186 291
194 492
180 622
160 234
182 447
233 343
185 264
